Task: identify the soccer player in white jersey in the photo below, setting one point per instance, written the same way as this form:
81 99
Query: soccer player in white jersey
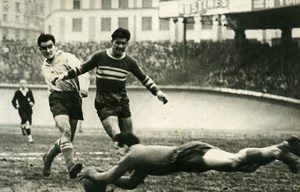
65 101
112 67
194 156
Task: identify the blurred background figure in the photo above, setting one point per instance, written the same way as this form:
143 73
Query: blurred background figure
80 127
23 100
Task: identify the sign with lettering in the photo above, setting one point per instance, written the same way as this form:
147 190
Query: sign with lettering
201 6
269 4
190 8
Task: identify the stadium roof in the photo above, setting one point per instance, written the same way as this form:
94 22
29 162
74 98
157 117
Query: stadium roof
269 18
248 14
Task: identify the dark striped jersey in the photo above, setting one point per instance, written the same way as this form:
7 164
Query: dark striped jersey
111 72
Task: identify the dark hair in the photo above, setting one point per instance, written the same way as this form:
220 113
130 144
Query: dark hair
121 33
126 138
45 37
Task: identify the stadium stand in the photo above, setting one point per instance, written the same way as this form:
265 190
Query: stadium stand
255 66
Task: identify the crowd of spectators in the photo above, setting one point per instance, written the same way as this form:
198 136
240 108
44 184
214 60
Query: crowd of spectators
260 67
253 66
19 60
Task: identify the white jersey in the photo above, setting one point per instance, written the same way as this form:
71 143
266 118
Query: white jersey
63 62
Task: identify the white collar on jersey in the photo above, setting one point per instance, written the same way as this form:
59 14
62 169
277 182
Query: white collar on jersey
109 51
24 91
58 52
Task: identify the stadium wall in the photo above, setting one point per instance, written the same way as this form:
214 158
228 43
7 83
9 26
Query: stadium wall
188 108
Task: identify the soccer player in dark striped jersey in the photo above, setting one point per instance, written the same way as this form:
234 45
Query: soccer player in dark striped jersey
112 67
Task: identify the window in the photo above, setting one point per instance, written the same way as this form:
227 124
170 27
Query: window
164 24
106 4
26 19
206 22
206 27
17 33
123 22
41 9
17 19
5 5
123 4
147 3
76 4
26 33
146 23
92 4
190 24
4 17
63 4
5 32
105 24
18 10
77 25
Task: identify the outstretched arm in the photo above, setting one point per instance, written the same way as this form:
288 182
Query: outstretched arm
31 98
124 182
83 78
148 83
78 70
110 176
131 182
84 83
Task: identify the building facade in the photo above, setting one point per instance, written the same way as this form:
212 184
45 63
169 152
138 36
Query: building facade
21 19
95 20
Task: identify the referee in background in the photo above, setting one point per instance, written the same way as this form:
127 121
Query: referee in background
23 101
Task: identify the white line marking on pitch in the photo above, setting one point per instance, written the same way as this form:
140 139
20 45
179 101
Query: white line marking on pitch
9 156
58 158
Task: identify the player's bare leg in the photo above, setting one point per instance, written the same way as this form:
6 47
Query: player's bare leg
250 159
73 125
125 125
80 127
66 148
22 126
111 125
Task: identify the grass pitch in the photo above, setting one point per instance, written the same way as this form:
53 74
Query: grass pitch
21 164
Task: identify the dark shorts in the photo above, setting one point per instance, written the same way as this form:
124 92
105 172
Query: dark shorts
66 103
25 115
189 152
112 103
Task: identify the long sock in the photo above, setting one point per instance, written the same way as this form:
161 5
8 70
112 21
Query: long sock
66 148
23 127
30 138
28 131
54 151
